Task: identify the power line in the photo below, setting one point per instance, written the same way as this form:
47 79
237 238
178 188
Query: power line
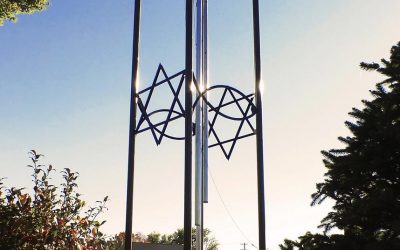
229 213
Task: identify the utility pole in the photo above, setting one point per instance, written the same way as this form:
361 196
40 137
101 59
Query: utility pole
244 245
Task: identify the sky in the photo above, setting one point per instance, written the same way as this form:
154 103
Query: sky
65 86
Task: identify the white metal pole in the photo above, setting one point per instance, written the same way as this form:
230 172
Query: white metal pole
205 111
198 129
204 131
204 120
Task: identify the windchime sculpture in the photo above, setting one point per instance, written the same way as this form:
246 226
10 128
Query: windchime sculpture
206 114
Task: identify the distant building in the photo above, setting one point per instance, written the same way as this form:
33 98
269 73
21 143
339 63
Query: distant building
154 246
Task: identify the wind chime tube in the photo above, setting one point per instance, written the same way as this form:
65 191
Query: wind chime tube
204 132
132 127
204 121
205 111
198 128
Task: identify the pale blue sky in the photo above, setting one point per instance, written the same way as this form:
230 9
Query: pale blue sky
64 91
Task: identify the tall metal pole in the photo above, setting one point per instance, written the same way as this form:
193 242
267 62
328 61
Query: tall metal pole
132 127
205 111
259 127
187 229
204 196
198 129
198 136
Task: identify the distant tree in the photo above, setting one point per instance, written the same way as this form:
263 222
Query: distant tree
46 219
116 242
177 237
363 179
9 9
154 237
165 239
139 237
210 243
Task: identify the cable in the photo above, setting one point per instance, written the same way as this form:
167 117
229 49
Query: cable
228 212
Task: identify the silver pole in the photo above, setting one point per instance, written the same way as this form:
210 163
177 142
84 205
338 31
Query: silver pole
198 128
204 131
205 112
199 131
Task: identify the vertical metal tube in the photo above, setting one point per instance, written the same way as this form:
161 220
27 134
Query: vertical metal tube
198 115
132 127
198 237
204 197
198 129
259 127
187 229
201 229
204 120
205 111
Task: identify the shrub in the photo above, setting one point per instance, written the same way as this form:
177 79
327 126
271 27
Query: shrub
50 217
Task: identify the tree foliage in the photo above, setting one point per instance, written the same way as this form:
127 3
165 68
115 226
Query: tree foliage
9 9
363 178
47 219
210 243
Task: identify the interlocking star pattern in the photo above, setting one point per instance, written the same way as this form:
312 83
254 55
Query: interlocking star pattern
158 130
246 112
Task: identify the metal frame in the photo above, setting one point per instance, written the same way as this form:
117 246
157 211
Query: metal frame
132 127
259 127
187 77
187 222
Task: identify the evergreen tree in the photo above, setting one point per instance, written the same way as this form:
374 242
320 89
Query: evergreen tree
363 178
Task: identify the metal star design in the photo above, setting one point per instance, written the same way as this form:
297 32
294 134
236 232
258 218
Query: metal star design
231 97
158 129
247 112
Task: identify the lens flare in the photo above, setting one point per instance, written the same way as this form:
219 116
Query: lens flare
192 87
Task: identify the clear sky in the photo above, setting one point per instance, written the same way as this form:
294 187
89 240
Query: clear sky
64 91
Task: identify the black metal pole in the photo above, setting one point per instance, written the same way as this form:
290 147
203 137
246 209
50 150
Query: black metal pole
187 228
259 127
132 128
